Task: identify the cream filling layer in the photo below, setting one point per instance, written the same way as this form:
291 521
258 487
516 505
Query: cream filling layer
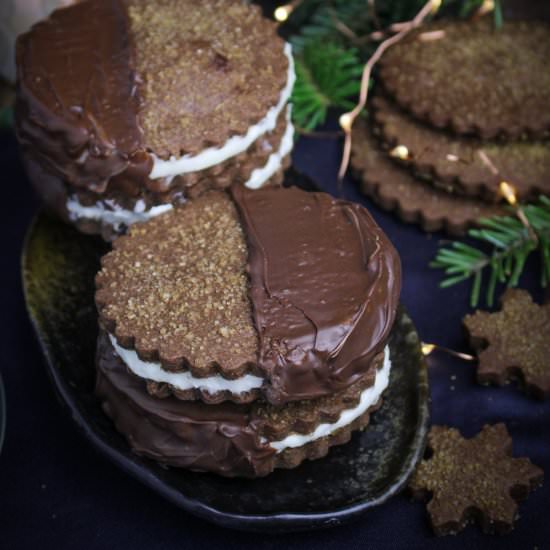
235 145
184 380
368 398
260 175
111 213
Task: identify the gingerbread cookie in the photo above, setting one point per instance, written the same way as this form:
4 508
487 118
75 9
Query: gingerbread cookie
474 79
395 188
513 343
456 163
473 479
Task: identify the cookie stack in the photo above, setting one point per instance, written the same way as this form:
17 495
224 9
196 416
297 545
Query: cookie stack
126 108
462 107
246 330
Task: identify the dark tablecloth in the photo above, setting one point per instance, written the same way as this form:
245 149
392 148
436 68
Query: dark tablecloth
57 492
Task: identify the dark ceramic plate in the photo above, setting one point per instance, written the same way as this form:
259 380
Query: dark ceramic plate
58 272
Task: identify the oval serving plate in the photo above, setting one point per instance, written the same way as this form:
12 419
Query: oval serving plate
59 266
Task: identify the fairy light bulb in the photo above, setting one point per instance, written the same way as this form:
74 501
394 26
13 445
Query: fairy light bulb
282 13
346 122
427 348
436 4
486 7
400 152
508 192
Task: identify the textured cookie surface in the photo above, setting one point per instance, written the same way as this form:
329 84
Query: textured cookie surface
223 54
178 291
228 439
472 479
395 188
513 343
475 79
456 163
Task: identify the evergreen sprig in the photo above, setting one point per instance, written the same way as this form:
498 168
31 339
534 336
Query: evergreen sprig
512 243
326 76
330 40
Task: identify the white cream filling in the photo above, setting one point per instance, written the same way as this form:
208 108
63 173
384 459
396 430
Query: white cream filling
183 380
235 145
368 398
111 213
260 175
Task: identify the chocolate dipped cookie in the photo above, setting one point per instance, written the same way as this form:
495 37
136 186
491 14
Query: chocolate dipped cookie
276 294
126 108
230 439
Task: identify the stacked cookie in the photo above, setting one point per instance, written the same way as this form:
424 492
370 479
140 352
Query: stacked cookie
462 108
246 330
128 107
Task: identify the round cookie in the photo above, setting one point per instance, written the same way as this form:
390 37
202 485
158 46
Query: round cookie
474 79
229 439
454 163
277 293
126 107
415 201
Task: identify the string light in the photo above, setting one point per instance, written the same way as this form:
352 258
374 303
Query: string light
428 349
436 4
400 152
282 13
346 122
508 192
347 119
486 7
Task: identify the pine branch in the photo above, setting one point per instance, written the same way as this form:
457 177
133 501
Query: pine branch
512 243
326 76
329 28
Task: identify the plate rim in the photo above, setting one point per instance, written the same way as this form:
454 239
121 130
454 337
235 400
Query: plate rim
287 522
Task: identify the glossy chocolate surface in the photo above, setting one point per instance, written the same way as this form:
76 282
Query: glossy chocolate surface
325 285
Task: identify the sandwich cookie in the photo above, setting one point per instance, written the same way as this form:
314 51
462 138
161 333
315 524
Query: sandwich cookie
229 439
276 293
126 107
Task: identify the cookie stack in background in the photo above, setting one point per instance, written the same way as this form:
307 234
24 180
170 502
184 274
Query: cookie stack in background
246 331
127 107
461 107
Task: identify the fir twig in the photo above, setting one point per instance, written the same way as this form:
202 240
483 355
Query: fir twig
326 76
511 244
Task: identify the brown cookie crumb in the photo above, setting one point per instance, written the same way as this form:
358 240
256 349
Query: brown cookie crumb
513 343
473 479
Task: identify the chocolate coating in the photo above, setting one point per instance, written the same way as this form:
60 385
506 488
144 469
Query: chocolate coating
324 286
77 95
227 439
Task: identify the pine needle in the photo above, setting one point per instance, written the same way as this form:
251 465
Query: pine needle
505 246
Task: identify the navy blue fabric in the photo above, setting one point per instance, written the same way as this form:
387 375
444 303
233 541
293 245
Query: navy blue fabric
56 492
